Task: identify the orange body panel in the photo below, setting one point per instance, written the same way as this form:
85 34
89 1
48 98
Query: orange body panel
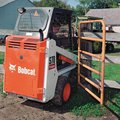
24 66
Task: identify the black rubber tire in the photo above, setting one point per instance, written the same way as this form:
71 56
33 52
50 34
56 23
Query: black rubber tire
58 98
109 47
73 81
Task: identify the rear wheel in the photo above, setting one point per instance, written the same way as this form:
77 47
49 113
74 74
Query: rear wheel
109 47
62 92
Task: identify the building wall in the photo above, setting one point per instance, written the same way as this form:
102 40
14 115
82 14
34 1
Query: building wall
9 14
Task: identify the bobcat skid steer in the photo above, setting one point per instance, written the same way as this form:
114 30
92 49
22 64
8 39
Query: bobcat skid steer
39 63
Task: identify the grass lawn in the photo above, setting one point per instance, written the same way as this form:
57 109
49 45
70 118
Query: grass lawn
112 71
1 57
82 104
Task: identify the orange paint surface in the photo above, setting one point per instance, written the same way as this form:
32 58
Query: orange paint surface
24 66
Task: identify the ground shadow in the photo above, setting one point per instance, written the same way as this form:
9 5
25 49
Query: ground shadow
44 106
112 102
116 50
77 99
107 59
80 100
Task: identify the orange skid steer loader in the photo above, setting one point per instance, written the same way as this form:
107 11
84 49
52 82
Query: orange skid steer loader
39 62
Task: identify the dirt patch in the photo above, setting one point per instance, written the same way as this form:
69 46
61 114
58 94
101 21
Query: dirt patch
14 108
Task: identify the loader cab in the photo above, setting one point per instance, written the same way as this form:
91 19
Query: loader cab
33 20
46 22
60 28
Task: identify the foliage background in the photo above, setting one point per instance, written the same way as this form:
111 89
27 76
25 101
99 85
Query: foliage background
82 8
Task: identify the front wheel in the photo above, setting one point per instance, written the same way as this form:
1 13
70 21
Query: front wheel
62 92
